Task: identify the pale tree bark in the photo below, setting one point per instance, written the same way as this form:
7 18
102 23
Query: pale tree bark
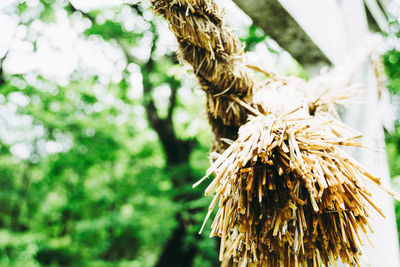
339 29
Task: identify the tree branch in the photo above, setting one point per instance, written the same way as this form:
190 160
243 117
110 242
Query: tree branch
2 79
152 114
177 151
145 68
172 99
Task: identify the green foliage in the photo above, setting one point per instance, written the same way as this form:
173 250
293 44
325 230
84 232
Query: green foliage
94 190
110 30
254 36
392 65
391 61
393 151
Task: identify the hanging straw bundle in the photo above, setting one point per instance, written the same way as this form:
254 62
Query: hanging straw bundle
288 194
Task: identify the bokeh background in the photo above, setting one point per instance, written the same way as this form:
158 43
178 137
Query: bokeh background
103 132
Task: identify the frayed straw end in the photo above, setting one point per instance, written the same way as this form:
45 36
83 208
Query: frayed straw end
199 181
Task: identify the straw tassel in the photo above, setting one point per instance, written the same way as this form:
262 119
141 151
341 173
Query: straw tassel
305 200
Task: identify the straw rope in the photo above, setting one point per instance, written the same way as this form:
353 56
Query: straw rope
217 58
287 194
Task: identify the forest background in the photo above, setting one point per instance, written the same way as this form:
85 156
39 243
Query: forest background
103 132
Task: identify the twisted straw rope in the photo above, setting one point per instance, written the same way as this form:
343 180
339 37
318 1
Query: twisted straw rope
217 58
315 203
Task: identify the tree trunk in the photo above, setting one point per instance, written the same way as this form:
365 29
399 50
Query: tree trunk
180 250
175 253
